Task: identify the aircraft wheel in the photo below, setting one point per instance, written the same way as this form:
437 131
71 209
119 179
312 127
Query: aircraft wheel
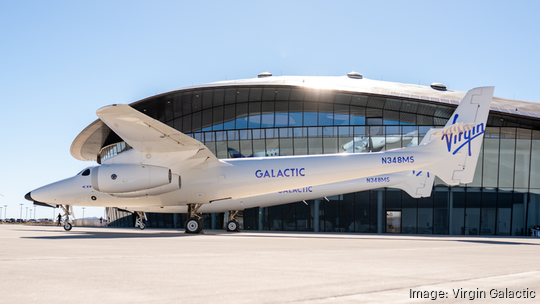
233 226
193 225
67 226
142 226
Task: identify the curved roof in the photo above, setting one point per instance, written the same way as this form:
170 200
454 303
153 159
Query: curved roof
88 143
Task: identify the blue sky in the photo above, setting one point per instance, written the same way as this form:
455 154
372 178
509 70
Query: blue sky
62 60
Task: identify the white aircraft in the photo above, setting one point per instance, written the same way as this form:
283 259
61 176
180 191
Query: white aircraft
168 171
375 143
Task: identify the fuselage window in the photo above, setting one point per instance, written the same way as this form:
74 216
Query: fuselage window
86 172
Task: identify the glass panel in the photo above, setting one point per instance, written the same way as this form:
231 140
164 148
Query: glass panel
533 210
393 199
207 120
330 145
304 217
408 213
196 123
346 213
230 95
246 148
207 99
504 212
487 221
286 146
288 212
506 162
425 215
242 95
361 209
518 212
377 218
310 114
393 138
523 157
358 116
229 118
196 101
242 114
457 196
440 211
186 124
300 141
269 94
477 179
472 212
491 162
314 142
341 115
391 117
326 114
535 162
186 103
218 118
219 96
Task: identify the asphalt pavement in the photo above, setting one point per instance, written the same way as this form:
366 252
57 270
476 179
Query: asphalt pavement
45 264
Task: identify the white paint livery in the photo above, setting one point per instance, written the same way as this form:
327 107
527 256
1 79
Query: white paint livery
168 171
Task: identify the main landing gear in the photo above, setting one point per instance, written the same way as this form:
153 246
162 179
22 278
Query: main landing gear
68 211
141 217
233 225
194 223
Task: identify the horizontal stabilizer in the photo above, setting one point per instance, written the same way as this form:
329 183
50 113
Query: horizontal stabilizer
418 184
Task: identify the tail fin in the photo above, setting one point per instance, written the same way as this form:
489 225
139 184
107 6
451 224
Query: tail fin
461 137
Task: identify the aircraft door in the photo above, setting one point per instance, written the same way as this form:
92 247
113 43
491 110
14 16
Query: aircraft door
393 221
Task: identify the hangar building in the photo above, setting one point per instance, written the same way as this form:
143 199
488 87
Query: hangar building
294 115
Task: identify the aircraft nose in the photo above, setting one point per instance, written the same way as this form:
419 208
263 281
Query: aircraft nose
28 196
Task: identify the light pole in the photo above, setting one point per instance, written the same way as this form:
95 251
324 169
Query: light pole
5 211
83 216
26 219
20 216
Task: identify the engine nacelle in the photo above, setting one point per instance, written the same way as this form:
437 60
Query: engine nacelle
119 178
175 184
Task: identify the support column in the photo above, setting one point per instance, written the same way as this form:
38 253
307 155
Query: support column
175 220
214 220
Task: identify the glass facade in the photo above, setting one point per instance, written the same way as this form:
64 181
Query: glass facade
244 121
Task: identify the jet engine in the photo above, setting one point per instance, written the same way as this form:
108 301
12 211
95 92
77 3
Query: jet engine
122 178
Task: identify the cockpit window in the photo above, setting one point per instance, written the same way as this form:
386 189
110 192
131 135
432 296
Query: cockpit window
86 172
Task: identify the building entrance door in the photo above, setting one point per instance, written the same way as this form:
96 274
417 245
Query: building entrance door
393 221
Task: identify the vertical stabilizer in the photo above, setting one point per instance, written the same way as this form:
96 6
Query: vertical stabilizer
462 138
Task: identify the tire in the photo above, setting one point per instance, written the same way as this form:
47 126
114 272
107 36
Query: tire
193 225
142 226
68 226
233 226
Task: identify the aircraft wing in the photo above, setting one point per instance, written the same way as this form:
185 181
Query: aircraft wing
146 134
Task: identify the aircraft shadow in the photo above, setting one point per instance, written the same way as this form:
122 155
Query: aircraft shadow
136 233
70 235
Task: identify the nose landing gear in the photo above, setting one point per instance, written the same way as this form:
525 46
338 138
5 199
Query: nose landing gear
68 211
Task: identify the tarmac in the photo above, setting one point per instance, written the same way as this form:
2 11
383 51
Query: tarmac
45 264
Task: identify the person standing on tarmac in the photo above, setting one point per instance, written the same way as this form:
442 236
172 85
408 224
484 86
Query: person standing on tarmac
59 219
